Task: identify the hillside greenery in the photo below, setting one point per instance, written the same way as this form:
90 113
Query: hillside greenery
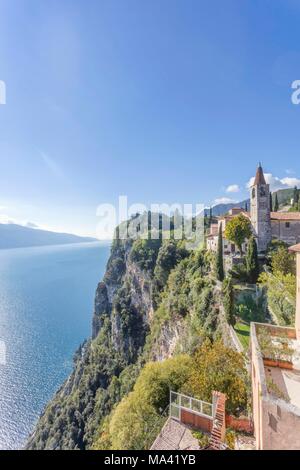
116 396
280 284
138 418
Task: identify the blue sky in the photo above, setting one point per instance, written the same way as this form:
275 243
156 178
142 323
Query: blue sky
161 100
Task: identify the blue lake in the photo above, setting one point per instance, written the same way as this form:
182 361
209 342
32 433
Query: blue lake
46 306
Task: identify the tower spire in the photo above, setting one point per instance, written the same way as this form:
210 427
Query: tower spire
259 177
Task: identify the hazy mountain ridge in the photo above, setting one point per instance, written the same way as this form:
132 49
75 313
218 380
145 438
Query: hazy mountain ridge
18 236
284 198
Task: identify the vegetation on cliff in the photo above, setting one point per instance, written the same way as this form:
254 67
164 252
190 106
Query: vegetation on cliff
280 284
156 300
138 418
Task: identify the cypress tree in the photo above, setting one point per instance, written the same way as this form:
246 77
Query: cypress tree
276 205
219 261
246 206
228 301
271 202
296 196
252 265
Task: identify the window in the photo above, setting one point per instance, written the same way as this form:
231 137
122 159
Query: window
287 225
262 191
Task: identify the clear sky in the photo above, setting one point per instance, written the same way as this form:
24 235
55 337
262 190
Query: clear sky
160 100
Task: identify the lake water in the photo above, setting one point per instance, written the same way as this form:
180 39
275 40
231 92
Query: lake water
46 306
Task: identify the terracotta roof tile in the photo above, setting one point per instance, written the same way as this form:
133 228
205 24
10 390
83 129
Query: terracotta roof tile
285 216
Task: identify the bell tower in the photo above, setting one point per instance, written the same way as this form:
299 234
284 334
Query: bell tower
260 210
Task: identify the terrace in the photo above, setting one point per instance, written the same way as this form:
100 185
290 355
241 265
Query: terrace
280 354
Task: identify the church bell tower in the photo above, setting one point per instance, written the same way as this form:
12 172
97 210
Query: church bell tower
260 210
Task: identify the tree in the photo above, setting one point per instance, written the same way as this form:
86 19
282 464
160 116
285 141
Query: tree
238 229
282 261
170 253
276 204
271 202
219 260
252 265
246 206
296 196
228 300
216 367
281 294
135 418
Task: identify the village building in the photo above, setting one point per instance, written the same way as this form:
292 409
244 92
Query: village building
266 225
275 374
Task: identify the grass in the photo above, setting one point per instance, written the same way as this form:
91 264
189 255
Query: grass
243 332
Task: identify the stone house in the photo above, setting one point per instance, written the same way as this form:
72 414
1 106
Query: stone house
266 225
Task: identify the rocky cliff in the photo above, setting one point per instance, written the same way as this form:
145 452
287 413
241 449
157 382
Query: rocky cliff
156 299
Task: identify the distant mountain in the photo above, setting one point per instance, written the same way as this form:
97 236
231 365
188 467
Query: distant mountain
17 236
284 198
221 209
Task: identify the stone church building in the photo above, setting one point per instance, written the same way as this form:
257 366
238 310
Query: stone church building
266 225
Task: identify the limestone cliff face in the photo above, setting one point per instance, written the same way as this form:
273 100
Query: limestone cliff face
168 340
125 288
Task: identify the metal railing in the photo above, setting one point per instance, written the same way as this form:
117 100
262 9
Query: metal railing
179 401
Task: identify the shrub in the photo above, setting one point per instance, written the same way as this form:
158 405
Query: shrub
216 367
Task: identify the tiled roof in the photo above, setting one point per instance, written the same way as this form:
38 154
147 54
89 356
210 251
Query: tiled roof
231 216
285 216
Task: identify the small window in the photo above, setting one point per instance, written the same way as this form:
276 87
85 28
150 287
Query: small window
287 225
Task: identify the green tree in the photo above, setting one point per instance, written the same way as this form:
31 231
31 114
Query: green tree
219 260
252 265
276 204
169 255
281 294
137 420
283 261
216 367
296 196
238 229
228 300
271 202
